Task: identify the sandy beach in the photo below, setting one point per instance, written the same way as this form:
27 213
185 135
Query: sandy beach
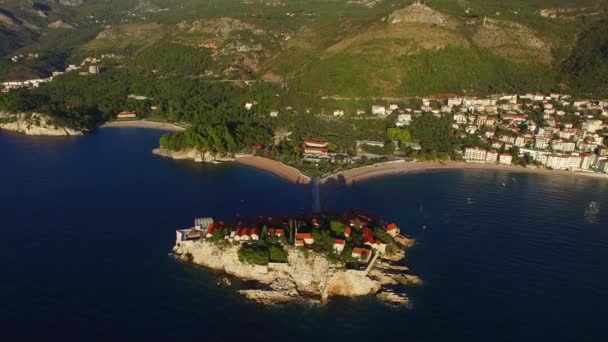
143 124
401 167
284 171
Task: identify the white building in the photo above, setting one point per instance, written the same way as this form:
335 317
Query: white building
564 146
541 143
338 112
475 155
404 120
602 165
378 110
505 158
460 118
491 156
562 162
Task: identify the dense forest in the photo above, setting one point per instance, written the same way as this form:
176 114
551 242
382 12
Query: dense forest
587 68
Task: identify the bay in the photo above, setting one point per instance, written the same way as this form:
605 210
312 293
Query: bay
87 225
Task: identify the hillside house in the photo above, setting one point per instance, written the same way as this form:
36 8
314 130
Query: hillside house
278 232
378 110
339 246
126 115
362 254
306 237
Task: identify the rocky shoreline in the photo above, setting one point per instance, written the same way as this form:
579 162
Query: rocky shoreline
35 124
306 275
191 154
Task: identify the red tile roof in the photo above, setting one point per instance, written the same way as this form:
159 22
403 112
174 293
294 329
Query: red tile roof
302 236
368 235
361 251
391 227
276 231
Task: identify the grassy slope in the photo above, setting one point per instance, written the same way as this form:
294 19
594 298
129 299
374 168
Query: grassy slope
335 48
376 63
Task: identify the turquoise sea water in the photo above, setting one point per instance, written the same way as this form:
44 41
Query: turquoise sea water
86 225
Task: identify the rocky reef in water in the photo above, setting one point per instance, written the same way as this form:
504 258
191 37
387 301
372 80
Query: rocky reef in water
191 154
35 124
306 274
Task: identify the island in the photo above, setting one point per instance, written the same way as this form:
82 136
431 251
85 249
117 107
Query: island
291 258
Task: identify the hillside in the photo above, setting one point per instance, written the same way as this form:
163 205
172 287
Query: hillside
319 48
587 68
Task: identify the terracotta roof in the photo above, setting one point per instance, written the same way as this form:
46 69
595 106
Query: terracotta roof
368 235
320 149
391 227
339 242
302 236
361 251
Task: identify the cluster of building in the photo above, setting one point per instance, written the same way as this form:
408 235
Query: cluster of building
33 83
89 63
244 231
554 130
21 57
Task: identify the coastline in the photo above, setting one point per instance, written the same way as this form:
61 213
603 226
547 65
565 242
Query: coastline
277 168
143 124
351 176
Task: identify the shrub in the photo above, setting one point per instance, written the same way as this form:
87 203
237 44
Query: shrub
277 254
253 254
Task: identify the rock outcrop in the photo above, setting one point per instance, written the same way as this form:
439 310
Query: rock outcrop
305 275
34 124
421 14
59 24
192 154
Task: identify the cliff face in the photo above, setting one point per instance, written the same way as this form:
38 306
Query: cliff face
304 275
34 124
191 154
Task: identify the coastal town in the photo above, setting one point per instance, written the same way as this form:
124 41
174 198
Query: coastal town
354 236
552 131
294 257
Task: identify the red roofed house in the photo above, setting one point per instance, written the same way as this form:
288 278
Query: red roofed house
368 235
306 237
299 243
393 230
315 143
362 253
339 246
369 240
193 234
254 233
347 231
276 232
210 230
315 150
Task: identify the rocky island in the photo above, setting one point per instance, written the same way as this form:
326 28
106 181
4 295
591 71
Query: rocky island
284 259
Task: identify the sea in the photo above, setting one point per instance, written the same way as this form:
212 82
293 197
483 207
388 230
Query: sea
87 225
